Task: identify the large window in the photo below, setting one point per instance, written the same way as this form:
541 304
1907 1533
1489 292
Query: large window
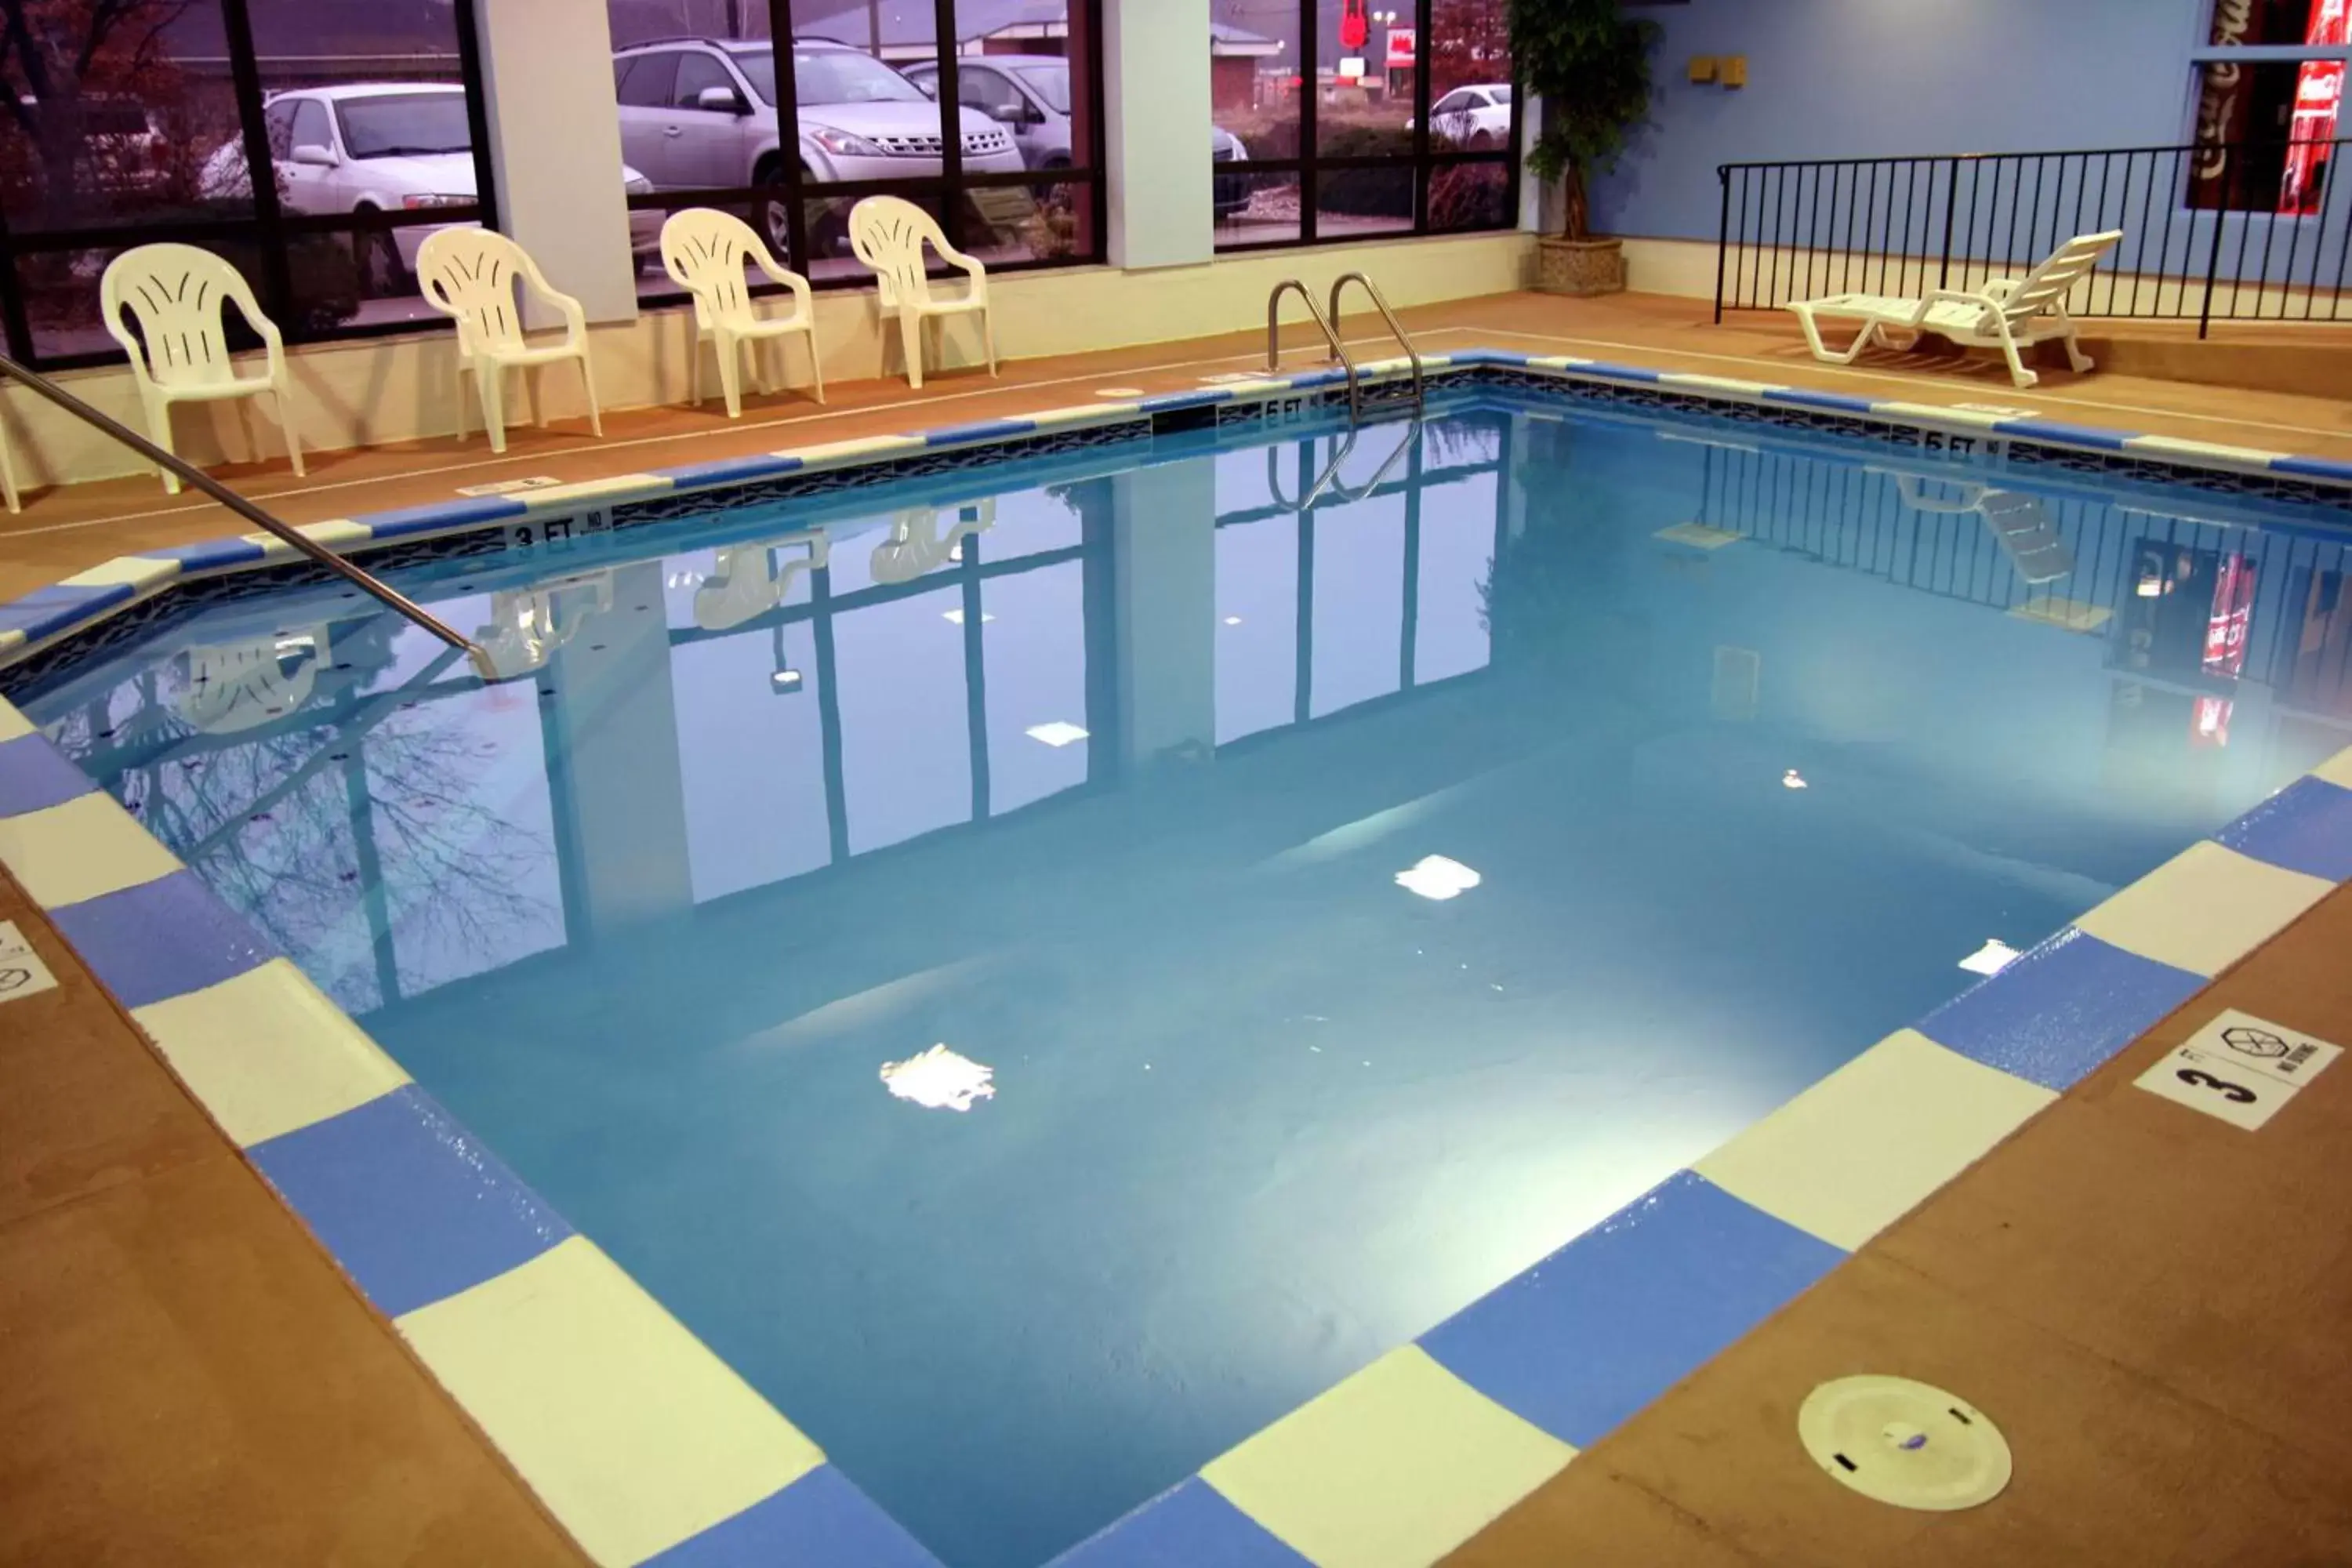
314 144
982 112
1337 120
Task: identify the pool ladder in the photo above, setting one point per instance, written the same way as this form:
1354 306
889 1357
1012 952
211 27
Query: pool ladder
1339 355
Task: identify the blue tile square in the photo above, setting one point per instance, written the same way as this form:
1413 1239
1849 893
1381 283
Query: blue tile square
45 612
1168 402
820 1520
162 939
2306 827
2318 467
411 1204
730 470
405 521
2058 430
34 775
2061 1010
978 430
1601 1328
210 555
1190 1527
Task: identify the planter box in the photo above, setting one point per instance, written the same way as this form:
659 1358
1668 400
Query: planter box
1580 266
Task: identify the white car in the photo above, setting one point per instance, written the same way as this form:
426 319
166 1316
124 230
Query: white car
384 147
701 114
1473 117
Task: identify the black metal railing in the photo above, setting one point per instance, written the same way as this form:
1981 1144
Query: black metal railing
2237 231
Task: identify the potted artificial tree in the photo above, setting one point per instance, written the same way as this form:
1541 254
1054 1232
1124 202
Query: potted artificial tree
1592 69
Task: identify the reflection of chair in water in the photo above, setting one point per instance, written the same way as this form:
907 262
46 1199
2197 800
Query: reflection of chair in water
528 625
747 585
2018 521
916 547
238 686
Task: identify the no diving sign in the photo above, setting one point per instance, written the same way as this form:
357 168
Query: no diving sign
2239 1067
22 973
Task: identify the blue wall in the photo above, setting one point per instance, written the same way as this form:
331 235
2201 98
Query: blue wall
1842 79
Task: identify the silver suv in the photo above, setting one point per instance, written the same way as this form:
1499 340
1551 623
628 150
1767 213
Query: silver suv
701 114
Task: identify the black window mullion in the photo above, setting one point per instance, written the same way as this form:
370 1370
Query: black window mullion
1308 90
477 115
1423 174
943 48
788 138
277 280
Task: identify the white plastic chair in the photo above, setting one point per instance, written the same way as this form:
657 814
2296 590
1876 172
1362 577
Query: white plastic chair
915 546
888 233
704 251
2007 313
472 275
233 686
180 353
747 584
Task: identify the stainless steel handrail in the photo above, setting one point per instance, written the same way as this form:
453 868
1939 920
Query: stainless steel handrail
1395 326
190 474
1274 339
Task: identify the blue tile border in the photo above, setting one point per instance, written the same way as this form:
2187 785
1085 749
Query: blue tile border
2306 827
414 1207
1190 1526
35 775
821 1518
2058 1011
1580 1341
162 939
417 1210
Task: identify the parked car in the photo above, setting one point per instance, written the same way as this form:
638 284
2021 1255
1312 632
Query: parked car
1029 95
701 114
1477 117
1229 193
384 147
119 152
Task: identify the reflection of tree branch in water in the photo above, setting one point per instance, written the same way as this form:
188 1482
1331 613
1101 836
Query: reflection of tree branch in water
453 867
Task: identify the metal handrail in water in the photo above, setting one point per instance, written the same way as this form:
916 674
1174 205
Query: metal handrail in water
190 474
1331 471
1395 326
1338 354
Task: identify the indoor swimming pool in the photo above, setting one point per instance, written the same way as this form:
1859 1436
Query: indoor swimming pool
1046 968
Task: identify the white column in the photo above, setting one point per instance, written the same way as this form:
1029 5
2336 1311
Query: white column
555 146
1164 551
1535 197
1156 126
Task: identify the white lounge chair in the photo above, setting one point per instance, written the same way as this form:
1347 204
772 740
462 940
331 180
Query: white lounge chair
2020 524
704 250
2007 313
889 234
471 275
179 354
8 472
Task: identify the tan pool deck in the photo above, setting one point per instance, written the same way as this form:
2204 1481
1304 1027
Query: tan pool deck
2152 1304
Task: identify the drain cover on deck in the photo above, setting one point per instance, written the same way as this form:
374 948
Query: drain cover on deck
1904 1443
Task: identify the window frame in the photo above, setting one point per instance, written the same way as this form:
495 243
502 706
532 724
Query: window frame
269 226
1090 181
1425 160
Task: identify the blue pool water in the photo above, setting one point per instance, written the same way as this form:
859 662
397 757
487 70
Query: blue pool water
1100 769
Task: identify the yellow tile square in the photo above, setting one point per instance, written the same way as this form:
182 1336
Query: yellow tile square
141 572
267 1053
2204 908
13 724
1866 1144
2337 769
1392 1468
78 850
624 1423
